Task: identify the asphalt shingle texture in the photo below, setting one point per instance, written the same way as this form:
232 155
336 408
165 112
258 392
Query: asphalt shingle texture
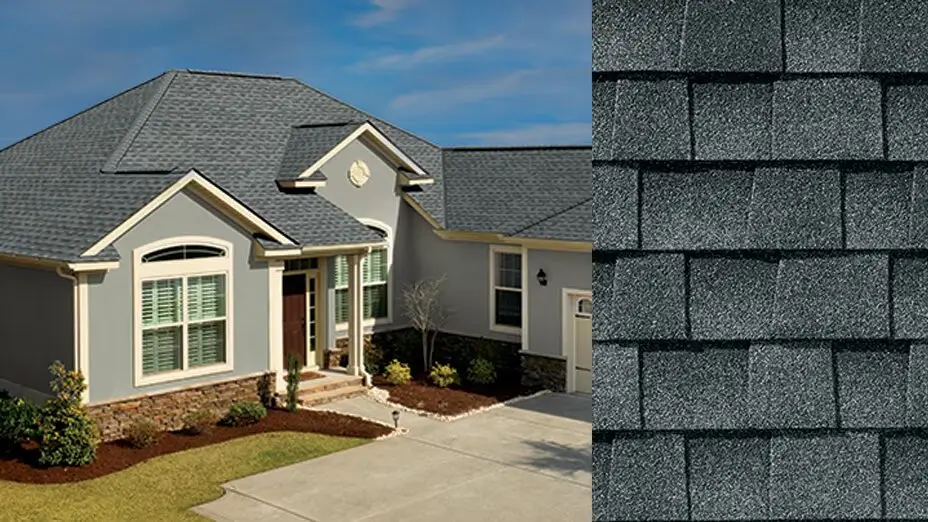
732 36
648 299
907 122
615 200
906 482
893 36
603 119
731 121
637 35
728 477
822 36
602 456
910 300
648 478
651 120
307 145
918 224
792 385
877 208
732 298
871 384
603 278
917 386
616 404
794 208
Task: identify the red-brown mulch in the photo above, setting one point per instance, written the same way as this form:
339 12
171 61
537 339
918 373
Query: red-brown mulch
454 400
310 375
117 455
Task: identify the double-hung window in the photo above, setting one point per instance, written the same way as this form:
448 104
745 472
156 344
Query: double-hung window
375 293
183 311
505 288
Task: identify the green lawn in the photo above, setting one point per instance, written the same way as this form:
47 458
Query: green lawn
164 488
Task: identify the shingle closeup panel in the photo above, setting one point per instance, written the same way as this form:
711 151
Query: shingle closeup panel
871 384
704 209
822 36
603 277
603 119
648 300
616 404
905 477
910 297
732 298
637 35
876 208
651 120
907 122
732 36
795 209
648 478
917 386
825 477
615 208
728 478
792 385
818 119
893 36
688 389
602 465
918 231
731 121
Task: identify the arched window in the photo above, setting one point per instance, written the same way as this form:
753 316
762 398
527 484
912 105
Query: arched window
584 307
183 309
375 279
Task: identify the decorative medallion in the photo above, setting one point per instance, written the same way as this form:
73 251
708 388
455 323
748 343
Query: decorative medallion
358 173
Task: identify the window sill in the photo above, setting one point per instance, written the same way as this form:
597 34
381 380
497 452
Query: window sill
342 328
179 375
499 328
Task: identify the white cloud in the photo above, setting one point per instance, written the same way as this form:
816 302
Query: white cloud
436 53
465 93
538 134
385 12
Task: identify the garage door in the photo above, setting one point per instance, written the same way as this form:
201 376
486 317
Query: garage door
583 344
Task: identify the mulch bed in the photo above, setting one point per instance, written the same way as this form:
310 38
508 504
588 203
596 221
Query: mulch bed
117 455
454 400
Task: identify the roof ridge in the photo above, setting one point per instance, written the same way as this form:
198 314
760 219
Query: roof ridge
516 147
552 216
207 72
112 163
339 124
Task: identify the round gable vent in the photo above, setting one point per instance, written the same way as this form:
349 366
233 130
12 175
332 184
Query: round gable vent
359 173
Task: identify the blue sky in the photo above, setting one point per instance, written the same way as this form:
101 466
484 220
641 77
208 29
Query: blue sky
465 72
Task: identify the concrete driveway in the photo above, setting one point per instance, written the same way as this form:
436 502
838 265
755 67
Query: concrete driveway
530 461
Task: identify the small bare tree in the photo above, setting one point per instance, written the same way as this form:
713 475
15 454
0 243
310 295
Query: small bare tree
422 301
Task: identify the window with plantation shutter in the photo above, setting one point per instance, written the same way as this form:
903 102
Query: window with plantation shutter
375 270
506 288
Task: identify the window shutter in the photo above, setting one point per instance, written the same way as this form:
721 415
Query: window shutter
341 305
162 302
376 267
341 271
375 301
161 350
206 343
207 297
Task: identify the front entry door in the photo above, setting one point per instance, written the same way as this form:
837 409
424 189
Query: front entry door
313 304
294 318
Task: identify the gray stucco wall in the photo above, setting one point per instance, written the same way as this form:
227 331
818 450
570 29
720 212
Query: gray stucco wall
110 296
563 270
36 325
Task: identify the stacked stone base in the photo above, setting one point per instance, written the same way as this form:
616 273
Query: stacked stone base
167 409
549 373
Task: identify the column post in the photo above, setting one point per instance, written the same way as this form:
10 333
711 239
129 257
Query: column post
355 309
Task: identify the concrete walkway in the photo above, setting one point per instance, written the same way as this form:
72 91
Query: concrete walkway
530 461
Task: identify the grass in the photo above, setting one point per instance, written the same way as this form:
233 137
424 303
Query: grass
165 488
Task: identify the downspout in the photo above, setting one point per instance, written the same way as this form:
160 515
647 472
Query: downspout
76 319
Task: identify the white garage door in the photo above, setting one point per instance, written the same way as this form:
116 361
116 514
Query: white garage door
583 344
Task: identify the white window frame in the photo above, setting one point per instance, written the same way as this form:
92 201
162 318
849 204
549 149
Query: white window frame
342 328
183 269
500 249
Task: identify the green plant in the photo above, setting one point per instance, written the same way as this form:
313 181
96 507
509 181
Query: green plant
481 371
244 413
68 435
397 373
19 421
141 434
200 421
293 383
444 375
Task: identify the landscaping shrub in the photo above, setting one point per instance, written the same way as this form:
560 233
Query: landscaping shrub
200 421
19 421
456 350
443 375
481 371
293 383
68 435
244 414
141 434
398 373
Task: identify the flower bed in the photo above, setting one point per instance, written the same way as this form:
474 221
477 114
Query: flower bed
452 401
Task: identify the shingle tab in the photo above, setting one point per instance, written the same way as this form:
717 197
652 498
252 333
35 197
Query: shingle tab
728 478
648 297
651 120
616 404
917 386
910 299
836 297
637 35
817 476
731 121
822 36
603 119
893 36
732 298
602 465
690 389
836 118
792 385
732 36
648 478
907 122
905 477
871 384
694 210
918 231
615 208
795 209
603 278
876 208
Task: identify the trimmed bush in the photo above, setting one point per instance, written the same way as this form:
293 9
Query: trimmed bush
200 421
443 375
293 383
244 414
19 421
68 435
398 373
141 434
481 371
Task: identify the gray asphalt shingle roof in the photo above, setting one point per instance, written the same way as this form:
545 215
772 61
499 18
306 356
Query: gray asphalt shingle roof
308 144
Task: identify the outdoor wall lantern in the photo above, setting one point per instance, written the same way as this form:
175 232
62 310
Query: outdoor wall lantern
542 277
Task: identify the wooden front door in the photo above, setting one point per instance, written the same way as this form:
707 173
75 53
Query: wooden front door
295 318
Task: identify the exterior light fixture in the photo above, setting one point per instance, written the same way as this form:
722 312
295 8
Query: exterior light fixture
396 418
542 277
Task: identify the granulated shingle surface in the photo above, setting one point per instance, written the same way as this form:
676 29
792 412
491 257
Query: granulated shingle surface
637 35
905 479
732 36
648 300
893 35
603 118
822 36
728 477
910 299
871 384
651 120
732 298
907 122
616 202
792 385
616 404
876 208
731 121
648 479
795 208
917 387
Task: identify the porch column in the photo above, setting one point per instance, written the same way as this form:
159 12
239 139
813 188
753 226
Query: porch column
355 331
275 342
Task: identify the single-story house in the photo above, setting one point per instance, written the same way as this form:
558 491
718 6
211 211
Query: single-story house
190 233
760 234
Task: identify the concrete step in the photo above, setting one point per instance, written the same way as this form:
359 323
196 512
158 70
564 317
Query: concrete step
330 383
315 398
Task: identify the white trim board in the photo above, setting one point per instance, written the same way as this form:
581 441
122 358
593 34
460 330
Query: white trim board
568 297
497 249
